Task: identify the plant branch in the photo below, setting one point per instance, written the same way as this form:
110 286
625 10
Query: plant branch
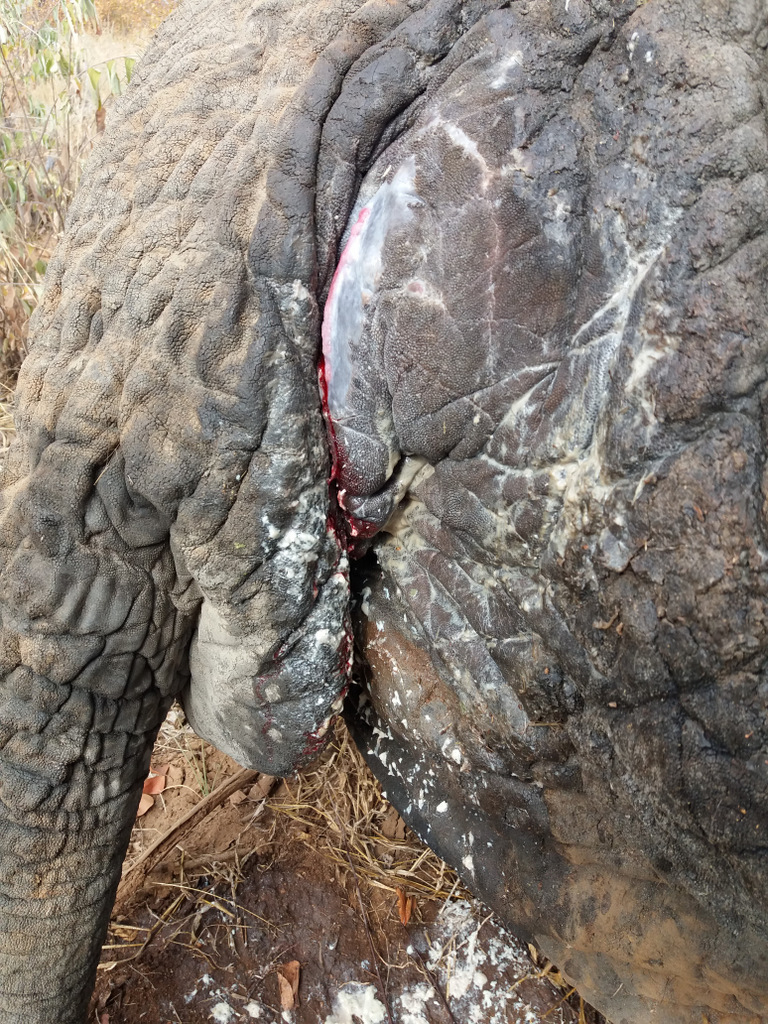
35 141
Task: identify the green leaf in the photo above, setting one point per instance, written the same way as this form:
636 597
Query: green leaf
115 84
94 76
129 64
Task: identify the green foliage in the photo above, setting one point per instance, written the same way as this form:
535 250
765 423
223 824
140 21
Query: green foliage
51 108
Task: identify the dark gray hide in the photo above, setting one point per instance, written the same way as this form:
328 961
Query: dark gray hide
545 360
550 319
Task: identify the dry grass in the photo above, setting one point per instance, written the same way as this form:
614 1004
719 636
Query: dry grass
335 809
7 429
339 812
61 68
133 18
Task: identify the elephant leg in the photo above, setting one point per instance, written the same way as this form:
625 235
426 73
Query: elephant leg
90 642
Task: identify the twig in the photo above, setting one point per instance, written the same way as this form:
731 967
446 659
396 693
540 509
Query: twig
560 1002
374 957
134 878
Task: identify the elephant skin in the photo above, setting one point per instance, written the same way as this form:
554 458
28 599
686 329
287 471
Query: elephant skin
524 244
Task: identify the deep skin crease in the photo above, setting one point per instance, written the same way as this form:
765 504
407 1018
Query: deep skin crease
526 245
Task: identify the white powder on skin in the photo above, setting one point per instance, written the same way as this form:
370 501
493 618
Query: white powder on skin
358 1001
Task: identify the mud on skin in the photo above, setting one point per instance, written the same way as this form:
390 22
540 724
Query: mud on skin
538 235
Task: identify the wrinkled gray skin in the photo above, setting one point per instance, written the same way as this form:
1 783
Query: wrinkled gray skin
546 364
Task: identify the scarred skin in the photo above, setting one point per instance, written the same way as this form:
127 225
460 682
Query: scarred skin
537 233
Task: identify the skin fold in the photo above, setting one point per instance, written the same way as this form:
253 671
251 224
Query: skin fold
524 247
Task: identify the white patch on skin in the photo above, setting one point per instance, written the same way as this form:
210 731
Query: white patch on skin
275 735
357 1002
622 298
272 692
413 1003
556 227
514 60
642 364
468 145
469 863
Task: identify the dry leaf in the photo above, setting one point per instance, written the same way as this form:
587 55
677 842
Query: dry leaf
393 826
237 797
405 905
147 801
154 784
288 980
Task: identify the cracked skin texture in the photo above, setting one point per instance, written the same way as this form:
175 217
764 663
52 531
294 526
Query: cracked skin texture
566 627
566 623
164 520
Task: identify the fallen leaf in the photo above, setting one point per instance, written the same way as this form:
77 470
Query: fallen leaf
393 826
147 801
153 785
288 980
237 797
405 905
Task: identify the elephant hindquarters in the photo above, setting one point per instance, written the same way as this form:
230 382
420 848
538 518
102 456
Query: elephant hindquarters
553 296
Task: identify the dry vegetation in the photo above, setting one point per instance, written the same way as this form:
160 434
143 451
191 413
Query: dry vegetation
335 810
62 62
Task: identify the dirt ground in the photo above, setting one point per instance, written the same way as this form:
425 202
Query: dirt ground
285 902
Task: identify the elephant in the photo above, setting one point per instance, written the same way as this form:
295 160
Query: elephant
406 358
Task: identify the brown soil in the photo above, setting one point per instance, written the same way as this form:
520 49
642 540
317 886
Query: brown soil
307 875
